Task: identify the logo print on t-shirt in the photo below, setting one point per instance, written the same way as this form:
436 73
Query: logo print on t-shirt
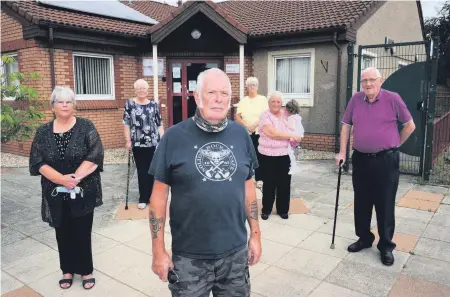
215 161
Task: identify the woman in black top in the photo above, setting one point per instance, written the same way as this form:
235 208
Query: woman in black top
143 129
68 153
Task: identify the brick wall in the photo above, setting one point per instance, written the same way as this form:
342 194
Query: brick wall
234 78
11 29
37 59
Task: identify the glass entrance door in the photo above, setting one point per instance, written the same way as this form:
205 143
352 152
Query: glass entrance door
182 83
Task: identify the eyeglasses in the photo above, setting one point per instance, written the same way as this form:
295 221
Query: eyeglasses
63 102
141 89
172 277
252 85
371 80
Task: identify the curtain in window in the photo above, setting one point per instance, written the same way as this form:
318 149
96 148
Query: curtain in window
293 75
92 75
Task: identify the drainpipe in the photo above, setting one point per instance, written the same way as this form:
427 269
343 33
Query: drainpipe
338 93
52 58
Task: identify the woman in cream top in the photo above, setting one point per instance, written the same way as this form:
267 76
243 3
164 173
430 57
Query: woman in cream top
248 114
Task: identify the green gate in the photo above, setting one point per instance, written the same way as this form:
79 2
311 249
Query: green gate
409 69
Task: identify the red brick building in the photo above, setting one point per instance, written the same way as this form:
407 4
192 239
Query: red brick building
286 44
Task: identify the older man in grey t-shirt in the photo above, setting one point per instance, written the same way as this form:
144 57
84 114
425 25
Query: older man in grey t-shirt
209 164
374 115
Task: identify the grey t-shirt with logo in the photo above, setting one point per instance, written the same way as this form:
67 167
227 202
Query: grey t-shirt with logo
207 174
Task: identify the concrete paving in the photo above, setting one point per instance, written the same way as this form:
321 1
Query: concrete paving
296 261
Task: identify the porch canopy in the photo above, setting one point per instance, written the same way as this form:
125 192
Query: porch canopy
198 28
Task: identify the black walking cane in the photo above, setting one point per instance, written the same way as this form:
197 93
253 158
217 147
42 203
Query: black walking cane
128 179
337 202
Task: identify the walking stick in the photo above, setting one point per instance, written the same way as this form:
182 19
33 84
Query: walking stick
337 202
128 180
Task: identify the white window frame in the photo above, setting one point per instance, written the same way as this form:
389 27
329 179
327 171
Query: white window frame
371 55
15 55
304 99
95 97
402 63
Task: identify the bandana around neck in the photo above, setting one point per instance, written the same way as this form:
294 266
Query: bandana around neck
206 126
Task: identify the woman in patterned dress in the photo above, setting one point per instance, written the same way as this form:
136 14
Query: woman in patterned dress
143 129
68 153
275 162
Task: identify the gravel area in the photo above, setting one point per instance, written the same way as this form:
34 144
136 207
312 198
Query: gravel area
119 156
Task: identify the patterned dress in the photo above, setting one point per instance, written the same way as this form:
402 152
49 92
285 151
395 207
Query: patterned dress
144 121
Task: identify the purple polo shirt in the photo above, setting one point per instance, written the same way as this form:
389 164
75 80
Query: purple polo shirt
375 124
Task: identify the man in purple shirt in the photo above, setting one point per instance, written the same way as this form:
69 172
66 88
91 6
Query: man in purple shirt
374 115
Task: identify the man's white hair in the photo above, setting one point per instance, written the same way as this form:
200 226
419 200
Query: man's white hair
141 81
276 94
201 81
370 69
252 81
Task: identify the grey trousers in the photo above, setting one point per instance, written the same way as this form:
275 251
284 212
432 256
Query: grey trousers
228 276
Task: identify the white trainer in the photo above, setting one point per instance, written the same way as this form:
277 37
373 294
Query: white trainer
142 205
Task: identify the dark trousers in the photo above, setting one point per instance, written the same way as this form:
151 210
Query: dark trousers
375 183
277 181
255 139
74 242
143 157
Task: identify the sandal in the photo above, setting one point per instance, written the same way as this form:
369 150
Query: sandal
88 281
65 281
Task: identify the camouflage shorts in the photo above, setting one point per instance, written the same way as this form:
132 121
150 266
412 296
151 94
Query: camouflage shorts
228 277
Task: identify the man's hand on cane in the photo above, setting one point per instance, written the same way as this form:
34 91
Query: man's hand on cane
339 157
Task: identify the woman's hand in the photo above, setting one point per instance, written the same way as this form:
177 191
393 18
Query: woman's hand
68 181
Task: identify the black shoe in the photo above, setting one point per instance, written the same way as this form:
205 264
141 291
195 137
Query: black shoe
387 258
284 216
358 246
264 216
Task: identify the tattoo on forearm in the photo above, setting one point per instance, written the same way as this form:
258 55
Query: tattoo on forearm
155 224
253 210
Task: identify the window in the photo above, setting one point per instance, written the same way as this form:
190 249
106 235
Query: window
6 70
94 76
369 59
292 73
402 64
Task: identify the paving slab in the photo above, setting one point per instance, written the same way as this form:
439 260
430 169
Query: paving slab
304 221
18 250
444 209
362 278
446 200
441 219
124 231
308 263
276 282
418 204
428 269
119 259
329 290
286 234
105 286
9 235
409 226
413 214
424 195
321 242
435 249
273 251
257 269
411 287
48 238
404 242
24 291
31 268
437 232
372 257
10 283
144 243
343 229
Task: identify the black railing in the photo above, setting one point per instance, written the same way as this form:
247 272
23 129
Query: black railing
440 172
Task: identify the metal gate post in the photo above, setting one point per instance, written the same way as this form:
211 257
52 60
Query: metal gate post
350 67
430 110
